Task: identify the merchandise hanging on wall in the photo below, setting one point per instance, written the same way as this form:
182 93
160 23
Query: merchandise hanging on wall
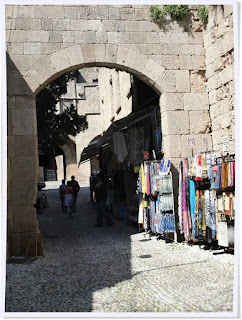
207 198
156 208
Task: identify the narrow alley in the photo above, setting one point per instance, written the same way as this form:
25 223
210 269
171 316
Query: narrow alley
114 269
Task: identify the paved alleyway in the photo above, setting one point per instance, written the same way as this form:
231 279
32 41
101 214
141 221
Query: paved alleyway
115 269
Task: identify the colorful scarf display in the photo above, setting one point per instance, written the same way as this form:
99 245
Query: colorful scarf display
200 209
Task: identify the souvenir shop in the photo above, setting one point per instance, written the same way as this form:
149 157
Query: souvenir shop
156 201
121 150
206 202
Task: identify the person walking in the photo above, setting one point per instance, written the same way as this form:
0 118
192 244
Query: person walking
68 198
100 196
61 195
75 185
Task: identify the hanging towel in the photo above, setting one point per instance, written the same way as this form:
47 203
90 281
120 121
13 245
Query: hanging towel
119 146
215 178
193 206
143 179
199 168
148 179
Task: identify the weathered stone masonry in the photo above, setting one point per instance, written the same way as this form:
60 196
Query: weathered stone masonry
44 42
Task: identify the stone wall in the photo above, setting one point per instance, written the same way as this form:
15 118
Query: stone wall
219 59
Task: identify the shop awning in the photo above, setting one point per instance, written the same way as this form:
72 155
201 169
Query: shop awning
92 149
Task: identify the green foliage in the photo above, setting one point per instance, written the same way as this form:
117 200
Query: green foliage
53 128
202 13
177 12
156 14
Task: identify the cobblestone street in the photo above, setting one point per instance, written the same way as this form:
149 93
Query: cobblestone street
114 269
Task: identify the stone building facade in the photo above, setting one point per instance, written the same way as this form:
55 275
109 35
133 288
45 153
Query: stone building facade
188 64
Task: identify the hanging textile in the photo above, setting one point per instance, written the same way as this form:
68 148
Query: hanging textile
148 179
199 169
180 200
119 146
212 196
208 216
143 179
193 206
141 211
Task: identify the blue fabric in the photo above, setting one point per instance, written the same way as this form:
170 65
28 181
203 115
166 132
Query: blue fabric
193 206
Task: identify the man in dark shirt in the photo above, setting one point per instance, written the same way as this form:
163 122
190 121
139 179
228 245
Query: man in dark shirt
100 196
75 185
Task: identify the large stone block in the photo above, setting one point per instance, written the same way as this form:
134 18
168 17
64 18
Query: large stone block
228 41
214 110
139 14
179 48
74 55
196 101
10 147
113 25
195 38
227 74
23 121
20 24
226 120
137 62
173 37
186 62
214 82
79 25
138 37
25 102
153 70
22 62
171 145
68 37
100 53
70 12
24 169
17 48
111 53
26 11
18 36
228 9
171 101
167 81
123 56
48 48
199 122
44 69
94 25
35 24
38 36
55 11
61 24
101 37
175 122
88 51
56 36
127 13
24 219
32 48
17 193
153 37
25 146
170 62
197 79
213 52
90 36
183 81
80 37
102 12
198 62
209 38
114 14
